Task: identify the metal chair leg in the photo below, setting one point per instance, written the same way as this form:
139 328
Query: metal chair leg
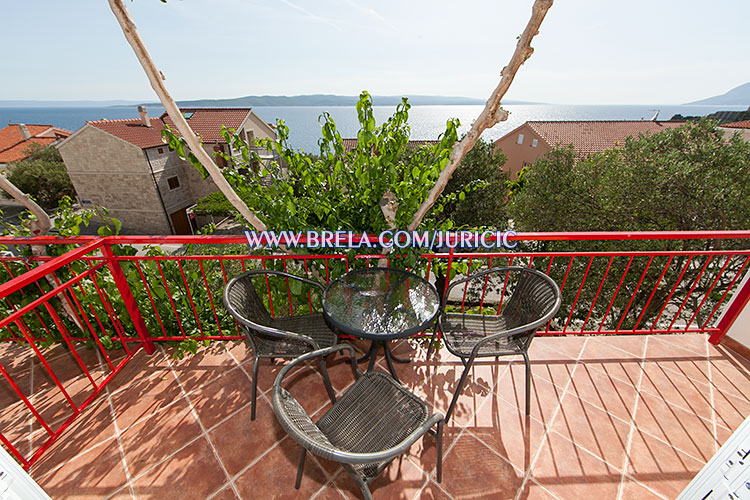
301 467
255 388
366 491
360 482
460 388
327 379
432 341
528 382
440 451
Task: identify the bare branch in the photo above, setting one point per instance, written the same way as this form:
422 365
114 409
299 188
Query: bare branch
492 113
42 224
38 227
156 78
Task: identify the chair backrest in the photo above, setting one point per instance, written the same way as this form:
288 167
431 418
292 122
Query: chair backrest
243 302
523 296
535 296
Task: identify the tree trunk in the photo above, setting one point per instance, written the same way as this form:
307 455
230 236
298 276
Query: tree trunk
492 113
156 78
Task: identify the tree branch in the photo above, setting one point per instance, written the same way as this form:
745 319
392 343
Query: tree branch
156 78
38 227
42 224
492 113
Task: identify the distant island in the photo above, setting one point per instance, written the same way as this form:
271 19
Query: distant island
259 100
327 100
738 96
66 104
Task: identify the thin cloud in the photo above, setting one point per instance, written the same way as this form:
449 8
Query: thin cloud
370 12
312 16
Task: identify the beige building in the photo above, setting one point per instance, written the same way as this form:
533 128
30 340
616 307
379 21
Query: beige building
742 128
125 166
532 140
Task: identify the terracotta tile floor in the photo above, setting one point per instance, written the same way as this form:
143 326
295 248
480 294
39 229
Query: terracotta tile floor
611 418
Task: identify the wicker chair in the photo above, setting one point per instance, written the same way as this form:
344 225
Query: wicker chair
281 337
375 421
531 300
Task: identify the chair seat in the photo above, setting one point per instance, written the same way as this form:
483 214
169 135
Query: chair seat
462 332
310 325
375 414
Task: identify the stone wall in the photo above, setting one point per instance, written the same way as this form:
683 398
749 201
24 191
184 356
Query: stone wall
113 173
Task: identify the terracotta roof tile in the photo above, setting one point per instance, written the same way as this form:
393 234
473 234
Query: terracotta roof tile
742 124
19 151
13 147
592 136
133 131
205 122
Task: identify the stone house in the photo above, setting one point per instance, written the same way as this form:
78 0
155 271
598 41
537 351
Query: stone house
525 144
125 166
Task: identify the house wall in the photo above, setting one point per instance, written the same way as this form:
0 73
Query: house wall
521 155
260 128
113 173
729 132
166 165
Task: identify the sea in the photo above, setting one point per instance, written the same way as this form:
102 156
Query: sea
426 122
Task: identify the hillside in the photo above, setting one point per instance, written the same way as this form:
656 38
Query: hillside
327 100
738 96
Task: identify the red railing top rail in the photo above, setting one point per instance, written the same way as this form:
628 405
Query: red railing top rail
240 239
42 270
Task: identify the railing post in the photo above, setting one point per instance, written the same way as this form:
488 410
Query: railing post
128 299
732 311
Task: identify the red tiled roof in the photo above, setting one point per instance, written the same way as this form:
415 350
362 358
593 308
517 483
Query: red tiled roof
19 151
742 124
351 144
205 122
13 147
133 131
593 136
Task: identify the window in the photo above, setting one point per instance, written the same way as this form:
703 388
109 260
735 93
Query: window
520 138
160 151
174 182
534 143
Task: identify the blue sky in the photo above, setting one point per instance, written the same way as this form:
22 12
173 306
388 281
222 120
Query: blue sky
588 52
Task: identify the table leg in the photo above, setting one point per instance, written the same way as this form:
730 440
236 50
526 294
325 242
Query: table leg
388 360
396 358
373 354
370 352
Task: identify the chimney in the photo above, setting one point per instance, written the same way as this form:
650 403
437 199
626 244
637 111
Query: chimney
25 134
144 116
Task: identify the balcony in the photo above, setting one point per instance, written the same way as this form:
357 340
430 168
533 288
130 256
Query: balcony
625 405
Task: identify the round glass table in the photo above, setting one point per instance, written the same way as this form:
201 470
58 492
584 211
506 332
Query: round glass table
381 304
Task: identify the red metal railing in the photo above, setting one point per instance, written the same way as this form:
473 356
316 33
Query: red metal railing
60 301
105 294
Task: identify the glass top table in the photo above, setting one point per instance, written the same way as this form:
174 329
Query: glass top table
381 304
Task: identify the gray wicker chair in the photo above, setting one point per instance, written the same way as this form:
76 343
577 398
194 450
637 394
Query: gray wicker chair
532 299
281 337
375 421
